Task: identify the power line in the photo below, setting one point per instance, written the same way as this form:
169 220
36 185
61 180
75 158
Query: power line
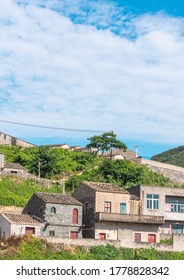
51 127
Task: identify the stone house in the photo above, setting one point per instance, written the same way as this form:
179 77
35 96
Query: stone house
9 140
110 212
120 154
163 201
61 214
19 224
13 168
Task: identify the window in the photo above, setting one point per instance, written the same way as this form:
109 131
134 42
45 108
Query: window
177 228
29 230
137 237
176 203
123 208
53 210
75 216
152 201
85 208
13 172
107 207
177 207
51 233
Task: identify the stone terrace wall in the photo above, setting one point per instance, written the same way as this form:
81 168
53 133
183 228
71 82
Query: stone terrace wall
88 242
177 246
175 173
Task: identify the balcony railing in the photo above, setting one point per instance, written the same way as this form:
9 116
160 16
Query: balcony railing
128 218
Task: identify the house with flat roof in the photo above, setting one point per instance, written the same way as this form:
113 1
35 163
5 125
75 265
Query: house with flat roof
111 212
163 201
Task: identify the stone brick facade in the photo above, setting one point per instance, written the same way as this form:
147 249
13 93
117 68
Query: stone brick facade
175 173
112 213
8 140
57 212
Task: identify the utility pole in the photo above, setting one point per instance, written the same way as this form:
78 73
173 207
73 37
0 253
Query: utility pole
64 183
39 167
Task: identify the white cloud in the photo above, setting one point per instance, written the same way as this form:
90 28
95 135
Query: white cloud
79 73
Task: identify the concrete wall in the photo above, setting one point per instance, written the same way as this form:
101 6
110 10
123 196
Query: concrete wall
175 173
2 160
177 246
178 242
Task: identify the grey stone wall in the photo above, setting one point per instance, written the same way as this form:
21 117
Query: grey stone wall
175 173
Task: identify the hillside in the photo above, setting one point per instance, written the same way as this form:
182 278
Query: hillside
173 156
78 166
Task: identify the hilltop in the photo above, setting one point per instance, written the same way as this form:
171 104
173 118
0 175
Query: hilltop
173 156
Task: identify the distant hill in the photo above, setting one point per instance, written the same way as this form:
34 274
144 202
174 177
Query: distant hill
174 156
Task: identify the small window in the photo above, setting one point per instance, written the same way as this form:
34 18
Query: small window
137 237
13 172
53 210
29 230
51 233
107 207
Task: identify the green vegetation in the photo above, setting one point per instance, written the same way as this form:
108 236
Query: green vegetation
106 142
124 173
53 162
78 166
15 192
174 156
167 241
31 248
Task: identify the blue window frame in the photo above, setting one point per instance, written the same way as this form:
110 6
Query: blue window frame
152 201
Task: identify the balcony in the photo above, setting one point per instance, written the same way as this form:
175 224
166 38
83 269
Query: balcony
128 218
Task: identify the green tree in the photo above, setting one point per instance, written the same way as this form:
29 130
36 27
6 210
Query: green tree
44 162
106 142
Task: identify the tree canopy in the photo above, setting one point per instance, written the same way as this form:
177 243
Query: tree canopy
106 142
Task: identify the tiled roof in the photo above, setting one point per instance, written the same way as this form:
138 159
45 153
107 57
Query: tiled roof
105 187
12 165
17 218
58 198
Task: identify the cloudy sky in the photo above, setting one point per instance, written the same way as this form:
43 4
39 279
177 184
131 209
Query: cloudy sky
93 65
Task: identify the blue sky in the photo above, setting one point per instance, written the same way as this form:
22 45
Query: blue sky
99 65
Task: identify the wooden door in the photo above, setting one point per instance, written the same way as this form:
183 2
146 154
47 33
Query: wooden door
73 234
152 238
102 235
